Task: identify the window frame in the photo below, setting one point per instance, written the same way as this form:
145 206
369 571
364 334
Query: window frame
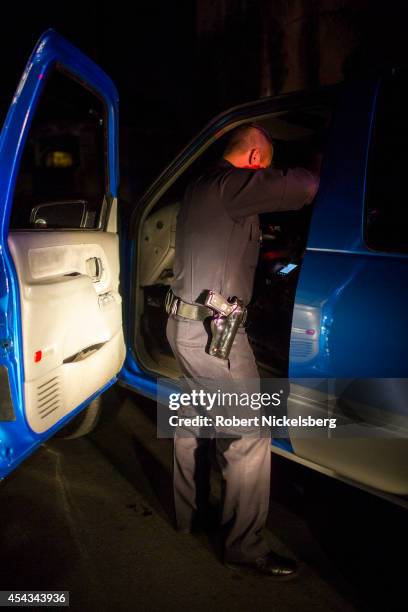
107 199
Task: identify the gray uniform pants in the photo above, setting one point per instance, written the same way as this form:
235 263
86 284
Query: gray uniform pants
244 461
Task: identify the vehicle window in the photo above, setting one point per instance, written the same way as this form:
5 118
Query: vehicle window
387 199
297 136
62 177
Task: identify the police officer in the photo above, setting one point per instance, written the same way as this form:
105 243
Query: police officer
217 249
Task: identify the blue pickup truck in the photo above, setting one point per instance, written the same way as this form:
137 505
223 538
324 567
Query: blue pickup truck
82 286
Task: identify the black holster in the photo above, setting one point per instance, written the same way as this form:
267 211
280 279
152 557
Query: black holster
228 316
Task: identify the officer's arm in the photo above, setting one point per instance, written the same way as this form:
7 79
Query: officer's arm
251 192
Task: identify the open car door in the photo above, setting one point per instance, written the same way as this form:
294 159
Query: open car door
61 336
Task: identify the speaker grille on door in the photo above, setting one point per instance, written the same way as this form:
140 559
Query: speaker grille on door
49 397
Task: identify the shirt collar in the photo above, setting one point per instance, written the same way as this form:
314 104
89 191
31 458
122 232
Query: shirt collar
224 163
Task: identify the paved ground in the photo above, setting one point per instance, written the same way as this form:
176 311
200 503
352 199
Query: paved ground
94 516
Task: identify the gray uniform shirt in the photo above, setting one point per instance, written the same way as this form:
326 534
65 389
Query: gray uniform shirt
218 234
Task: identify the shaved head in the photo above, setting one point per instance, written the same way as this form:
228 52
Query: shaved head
249 146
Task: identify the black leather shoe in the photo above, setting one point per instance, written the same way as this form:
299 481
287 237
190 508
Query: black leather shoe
272 565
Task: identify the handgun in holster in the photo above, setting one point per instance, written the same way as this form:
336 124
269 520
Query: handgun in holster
229 314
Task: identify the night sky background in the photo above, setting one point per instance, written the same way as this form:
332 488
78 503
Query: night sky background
177 64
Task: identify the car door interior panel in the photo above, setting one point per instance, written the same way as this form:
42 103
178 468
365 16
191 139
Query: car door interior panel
71 314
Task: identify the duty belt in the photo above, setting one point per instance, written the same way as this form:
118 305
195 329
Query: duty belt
227 315
196 312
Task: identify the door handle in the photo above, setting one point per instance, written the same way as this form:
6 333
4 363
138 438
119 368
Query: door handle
94 268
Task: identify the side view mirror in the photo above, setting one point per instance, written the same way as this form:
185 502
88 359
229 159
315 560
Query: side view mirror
60 214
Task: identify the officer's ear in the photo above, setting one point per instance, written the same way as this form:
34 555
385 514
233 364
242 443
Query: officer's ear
255 157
